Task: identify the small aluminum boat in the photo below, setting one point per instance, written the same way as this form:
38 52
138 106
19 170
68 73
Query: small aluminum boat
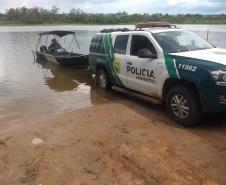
61 56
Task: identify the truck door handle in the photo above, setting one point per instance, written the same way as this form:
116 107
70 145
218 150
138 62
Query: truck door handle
129 63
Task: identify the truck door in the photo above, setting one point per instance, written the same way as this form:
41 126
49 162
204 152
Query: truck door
119 64
141 72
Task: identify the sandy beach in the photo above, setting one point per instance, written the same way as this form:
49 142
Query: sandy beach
118 143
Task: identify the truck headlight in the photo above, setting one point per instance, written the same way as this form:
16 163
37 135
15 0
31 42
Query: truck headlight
219 76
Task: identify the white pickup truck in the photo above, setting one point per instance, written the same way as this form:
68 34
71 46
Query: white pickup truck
157 59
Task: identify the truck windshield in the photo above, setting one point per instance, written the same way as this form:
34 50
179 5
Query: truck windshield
180 41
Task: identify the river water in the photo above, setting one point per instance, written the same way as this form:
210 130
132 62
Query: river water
31 90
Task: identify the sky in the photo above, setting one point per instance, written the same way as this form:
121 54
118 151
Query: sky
130 6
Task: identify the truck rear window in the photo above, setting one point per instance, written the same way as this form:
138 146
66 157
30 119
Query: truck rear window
97 45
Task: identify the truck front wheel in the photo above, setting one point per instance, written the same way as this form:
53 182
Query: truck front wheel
102 80
183 106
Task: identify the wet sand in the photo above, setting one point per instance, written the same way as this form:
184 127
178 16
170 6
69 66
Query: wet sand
121 142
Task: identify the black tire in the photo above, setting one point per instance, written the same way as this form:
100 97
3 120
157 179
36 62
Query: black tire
188 111
102 80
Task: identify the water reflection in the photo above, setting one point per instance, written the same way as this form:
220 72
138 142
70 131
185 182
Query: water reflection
65 79
4 86
2 72
62 79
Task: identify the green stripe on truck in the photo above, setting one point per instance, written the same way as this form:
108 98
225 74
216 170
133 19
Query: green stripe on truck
109 49
171 66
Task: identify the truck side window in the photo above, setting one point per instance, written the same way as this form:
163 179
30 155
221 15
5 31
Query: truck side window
121 44
140 42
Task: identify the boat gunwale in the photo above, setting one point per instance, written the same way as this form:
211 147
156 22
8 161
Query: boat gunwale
79 55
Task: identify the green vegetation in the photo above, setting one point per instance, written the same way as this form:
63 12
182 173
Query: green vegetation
37 15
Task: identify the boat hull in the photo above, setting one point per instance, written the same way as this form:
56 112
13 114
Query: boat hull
77 60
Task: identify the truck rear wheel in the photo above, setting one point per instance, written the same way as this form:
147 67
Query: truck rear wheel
102 80
183 106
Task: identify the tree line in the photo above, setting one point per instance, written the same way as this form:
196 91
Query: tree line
38 15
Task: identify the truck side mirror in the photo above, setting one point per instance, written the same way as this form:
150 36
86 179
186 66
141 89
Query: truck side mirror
146 53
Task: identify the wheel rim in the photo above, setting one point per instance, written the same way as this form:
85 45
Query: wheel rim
102 80
179 105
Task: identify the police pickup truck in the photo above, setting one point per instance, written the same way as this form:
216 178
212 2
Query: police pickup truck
172 65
